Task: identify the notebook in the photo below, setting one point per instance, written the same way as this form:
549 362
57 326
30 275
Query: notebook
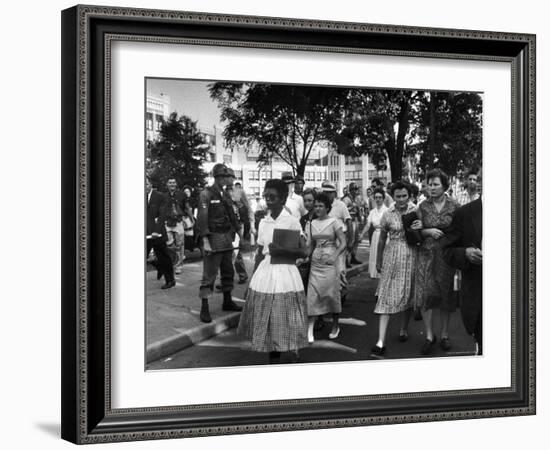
287 239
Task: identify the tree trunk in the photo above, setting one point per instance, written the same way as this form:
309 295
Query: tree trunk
431 135
301 168
401 134
395 163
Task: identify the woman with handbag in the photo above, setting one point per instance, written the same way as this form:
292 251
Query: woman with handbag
434 277
396 262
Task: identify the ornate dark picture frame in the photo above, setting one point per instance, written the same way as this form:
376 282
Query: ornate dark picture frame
87 34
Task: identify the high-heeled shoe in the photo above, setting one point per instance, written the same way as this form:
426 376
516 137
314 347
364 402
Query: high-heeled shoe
377 352
428 346
334 334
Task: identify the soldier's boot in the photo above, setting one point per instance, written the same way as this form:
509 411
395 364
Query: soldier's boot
229 304
205 313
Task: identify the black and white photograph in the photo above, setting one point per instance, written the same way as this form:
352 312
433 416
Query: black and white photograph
301 224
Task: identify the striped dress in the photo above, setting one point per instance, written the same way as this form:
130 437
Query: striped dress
274 317
396 279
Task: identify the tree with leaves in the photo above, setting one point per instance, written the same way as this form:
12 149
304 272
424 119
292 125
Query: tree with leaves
449 134
179 153
392 126
377 123
279 120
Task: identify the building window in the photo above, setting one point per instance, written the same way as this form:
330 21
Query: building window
159 119
239 174
149 120
227 159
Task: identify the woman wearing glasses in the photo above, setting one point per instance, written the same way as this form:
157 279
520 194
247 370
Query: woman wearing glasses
274 317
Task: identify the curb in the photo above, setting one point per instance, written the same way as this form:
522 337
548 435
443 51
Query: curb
190 337
176 343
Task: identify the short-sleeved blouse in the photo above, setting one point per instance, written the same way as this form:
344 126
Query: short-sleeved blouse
285 221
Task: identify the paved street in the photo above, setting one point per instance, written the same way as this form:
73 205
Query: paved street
359 331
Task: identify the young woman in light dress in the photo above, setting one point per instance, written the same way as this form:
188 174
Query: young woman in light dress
274 317
374 220
326 242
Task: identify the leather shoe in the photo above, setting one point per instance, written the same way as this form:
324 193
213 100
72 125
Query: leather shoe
403 337
168 285
445 344
205 315
428 346
231 306
378 352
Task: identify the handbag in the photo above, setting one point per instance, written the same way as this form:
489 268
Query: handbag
413 237
188 224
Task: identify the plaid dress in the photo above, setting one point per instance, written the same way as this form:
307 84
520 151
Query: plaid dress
395 289
274 317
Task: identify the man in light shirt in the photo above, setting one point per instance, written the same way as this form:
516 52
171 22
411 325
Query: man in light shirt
470 193
294 203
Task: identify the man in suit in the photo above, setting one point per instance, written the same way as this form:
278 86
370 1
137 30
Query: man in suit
156 234
462 250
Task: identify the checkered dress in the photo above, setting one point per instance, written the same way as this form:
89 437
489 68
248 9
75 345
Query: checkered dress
396 279
274 317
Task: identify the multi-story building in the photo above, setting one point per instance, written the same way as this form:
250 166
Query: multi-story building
325 164
343 170
157 110
247 170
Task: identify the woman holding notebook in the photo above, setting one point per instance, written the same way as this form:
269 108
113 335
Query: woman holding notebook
274 317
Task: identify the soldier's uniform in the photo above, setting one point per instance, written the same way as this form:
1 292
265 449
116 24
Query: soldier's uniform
216 221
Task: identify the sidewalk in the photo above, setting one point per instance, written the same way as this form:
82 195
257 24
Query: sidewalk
172 315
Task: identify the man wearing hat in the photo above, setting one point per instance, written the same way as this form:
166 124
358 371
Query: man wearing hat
299 184
294 202
339 210
218 225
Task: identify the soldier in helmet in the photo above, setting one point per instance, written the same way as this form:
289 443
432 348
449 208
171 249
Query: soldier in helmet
218 225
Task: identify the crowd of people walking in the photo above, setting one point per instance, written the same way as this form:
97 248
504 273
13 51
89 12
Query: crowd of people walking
425 253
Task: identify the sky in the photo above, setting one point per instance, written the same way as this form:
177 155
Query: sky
189 97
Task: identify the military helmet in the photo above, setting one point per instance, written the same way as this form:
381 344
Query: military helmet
219 170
